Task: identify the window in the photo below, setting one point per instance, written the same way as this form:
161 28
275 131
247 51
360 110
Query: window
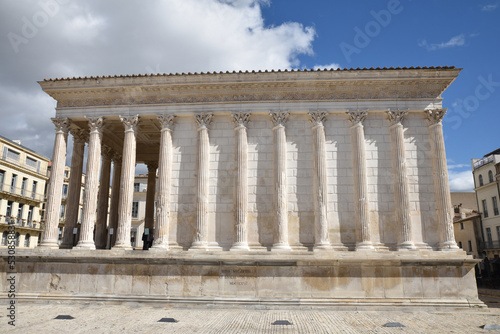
485 209
2 178
61 214
490 176
33 190
66 174
481 180
30 214
11 155
136 187
495 206
20 211
24 185
31 162
17 239
64 191
135 209
470 246
27 240
4 238
8 212
488 235
13 183
461 226
498 232
460 244
59 235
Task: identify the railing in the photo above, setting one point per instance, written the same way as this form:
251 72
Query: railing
484 161
491 244
21 192
20 222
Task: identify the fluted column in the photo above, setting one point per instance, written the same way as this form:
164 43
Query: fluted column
361 216
149 218
279 119
115 196
127 183
441 185
102 205
201 233
401 193
54 192
74 187
241 182
164 183
321 237
91 184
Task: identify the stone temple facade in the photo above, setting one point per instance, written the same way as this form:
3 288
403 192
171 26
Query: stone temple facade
323 187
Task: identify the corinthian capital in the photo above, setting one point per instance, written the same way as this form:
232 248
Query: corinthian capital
166 121
279 118
61 124
203 119
107 152
396 116
435 116
317 117
241 118
357 116
79 135
130 122
95 123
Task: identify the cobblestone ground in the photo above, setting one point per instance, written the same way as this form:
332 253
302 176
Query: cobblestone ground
97 317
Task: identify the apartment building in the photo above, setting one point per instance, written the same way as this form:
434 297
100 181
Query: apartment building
23 175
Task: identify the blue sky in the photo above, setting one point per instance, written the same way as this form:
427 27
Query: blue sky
65 38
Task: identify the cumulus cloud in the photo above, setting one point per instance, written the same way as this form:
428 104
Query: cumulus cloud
460 180
64 38
458 40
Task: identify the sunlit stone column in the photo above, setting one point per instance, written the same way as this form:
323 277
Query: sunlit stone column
279 119
115 196
201 233
321 237
74 187
361 216
149 218
401 193
127 182
241 182
440 175
54 192
164 183
91 184
102 205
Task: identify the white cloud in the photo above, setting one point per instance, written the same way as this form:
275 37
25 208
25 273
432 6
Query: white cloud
489 8
457 166
322 67
126 37
458 40
461 181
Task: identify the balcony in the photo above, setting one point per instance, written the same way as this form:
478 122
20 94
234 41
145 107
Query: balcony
23 223
29 164
21 193
491 244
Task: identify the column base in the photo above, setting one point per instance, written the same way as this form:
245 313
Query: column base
365 245
448 246
52 244
160 245
199 246
85 245
322 247
406 246
122 246
239 247
281 247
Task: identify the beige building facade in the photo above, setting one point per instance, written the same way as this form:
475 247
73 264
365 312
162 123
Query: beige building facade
314 187
486 173
23 174
467 223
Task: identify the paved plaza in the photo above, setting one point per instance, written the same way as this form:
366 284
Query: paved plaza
97 317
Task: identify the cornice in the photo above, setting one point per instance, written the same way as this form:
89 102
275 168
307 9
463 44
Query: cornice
251 87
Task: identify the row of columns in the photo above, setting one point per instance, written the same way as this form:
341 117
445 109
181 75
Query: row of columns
123 180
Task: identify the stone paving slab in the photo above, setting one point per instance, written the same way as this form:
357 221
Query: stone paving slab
143 318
